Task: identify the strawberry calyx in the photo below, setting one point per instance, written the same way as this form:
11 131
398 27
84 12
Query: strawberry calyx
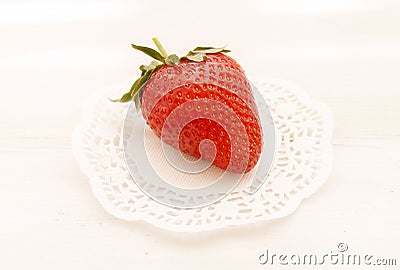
162 58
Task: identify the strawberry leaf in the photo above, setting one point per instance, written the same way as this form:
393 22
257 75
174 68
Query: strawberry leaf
202 48
137 86
136 99
150 52
196 56
128 95
199 54
151 66
210 49
172 60
125 98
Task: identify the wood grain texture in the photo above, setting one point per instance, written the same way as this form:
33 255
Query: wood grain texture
346 55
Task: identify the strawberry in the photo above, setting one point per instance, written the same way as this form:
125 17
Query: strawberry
199 99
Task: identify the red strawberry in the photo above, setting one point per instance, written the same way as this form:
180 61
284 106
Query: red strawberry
204 95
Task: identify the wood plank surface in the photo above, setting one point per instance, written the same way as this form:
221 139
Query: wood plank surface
54 54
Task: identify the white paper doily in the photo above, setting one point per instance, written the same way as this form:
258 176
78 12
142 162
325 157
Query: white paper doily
302 164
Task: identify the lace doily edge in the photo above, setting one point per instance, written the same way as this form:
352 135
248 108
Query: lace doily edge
291 207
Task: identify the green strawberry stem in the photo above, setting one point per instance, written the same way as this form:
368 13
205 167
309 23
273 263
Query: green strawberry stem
160 47
198 54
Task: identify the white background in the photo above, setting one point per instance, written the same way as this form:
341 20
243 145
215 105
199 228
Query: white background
54 54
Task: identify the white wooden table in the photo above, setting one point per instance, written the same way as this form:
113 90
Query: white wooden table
54 54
